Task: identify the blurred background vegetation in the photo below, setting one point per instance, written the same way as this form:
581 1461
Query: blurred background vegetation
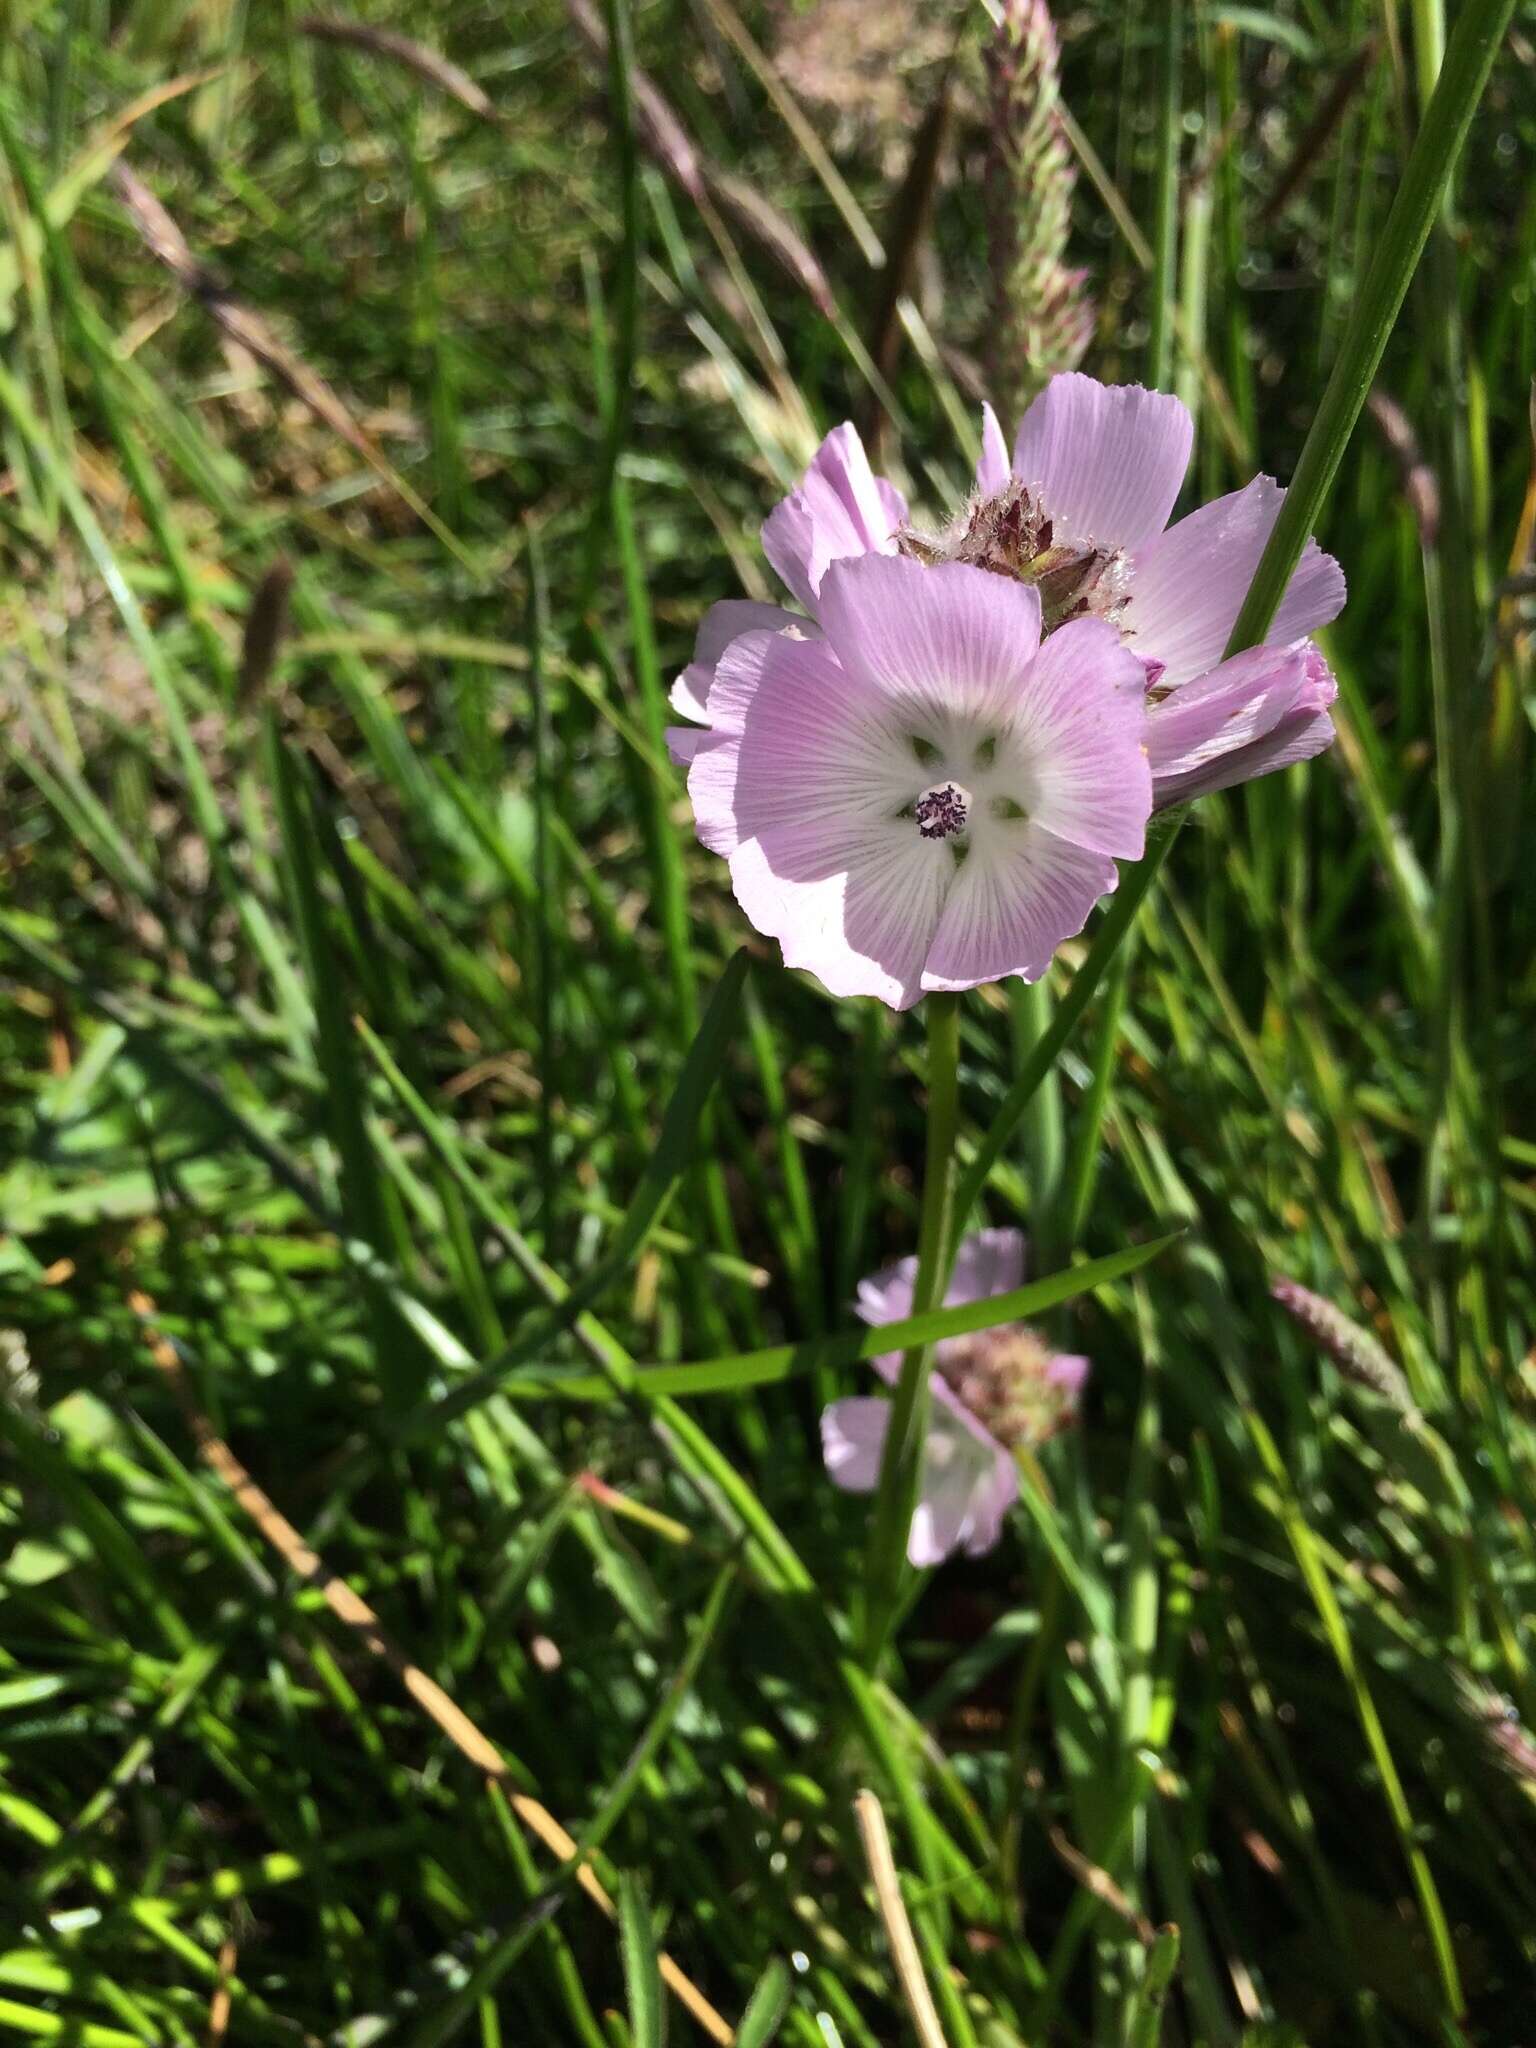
382 400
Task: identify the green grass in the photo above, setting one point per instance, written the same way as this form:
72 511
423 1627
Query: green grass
372 1026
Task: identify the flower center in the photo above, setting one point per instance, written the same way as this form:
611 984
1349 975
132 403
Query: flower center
1012 534
941 811
1003 1376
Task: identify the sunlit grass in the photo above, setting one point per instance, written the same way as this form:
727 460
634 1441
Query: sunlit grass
373 1035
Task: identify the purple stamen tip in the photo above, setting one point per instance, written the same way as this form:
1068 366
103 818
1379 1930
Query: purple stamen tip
941 811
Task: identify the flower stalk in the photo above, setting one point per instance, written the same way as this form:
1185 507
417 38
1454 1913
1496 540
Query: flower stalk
1135 887
901 1461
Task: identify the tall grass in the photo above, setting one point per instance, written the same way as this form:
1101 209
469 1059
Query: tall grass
428 1229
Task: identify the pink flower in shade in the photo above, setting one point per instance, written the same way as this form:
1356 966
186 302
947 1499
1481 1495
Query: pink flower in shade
992 1391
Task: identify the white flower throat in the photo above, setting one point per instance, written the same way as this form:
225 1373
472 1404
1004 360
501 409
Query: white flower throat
974 777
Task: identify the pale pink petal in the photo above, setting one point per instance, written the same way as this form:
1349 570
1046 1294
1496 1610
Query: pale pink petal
1188 585
941 644
934 1532
1246 695
686 742
1108 458
733 616
968 1484
886 1297
1300 737
683 742
988 1262
992 469
688 693
990 1502
852 1440
1215 731
956 1417
811 746
966 1489
805 797
720 625
1021 893
893 507
852 904
1074 753
943 1511
839 507
1068 1370
945 1397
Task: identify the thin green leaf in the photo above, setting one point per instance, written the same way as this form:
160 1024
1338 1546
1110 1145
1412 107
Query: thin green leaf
642 1966
790 1361
766 2008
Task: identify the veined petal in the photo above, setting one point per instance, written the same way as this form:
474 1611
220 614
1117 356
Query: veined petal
1188 585
1074 754
1299 737
855 906
853 1439
815 743
1018 896
1109 458
720 625
1205 735
941 644
808 792
992 469
1229 706
966 1490
991 1499
839 507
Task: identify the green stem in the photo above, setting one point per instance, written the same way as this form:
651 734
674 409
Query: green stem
1140 1601
1029 1005
1146 2017
1083 1161
1165 225
1233 241
1480 28
901 1462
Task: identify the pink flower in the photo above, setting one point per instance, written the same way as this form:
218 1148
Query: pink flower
924 781
919 794
1079 513
991 1391
1099 466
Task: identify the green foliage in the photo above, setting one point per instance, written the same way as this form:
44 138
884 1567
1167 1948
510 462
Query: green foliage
371 1026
